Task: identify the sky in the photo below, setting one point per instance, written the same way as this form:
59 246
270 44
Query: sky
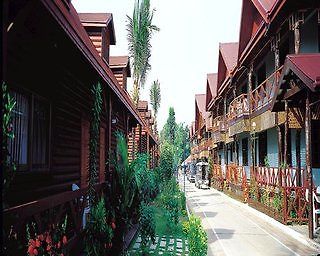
183 52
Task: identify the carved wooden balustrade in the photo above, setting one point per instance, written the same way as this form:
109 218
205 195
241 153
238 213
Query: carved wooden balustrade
217 178
218 124
264 93
47 212
281 193
236 181
239 107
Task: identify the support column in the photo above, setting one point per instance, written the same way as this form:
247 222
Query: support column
298 156
252 139
308 163
286 128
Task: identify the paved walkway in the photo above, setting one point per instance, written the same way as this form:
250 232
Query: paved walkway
165 245
233 230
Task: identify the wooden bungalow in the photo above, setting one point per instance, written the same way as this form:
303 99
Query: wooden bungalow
52 57
268 100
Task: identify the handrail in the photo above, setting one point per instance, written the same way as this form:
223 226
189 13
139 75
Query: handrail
238 107
264 93
218 124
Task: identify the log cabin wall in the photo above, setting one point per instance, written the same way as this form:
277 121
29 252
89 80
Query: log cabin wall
38 68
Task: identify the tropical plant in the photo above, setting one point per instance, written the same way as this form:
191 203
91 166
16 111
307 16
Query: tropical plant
147 225
197 237
98 233
9 166
155 99
140 30
94 137
166 161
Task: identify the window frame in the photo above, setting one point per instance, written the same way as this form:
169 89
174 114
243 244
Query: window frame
32 96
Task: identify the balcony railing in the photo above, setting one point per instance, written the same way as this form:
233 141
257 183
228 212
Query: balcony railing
264 93
239 107
44 214
218 124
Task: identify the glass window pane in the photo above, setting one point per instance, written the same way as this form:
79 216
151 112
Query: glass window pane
18 147
40 134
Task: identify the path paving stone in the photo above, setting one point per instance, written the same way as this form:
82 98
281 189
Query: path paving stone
171 240
139 239
179 244
162 243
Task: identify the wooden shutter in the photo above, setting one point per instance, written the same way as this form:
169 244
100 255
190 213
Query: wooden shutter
85 129
102 154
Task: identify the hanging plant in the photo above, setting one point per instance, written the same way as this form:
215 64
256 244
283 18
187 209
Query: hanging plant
9 166
94 137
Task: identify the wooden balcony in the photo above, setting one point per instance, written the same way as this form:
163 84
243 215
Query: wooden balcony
219 124
262 96
238 108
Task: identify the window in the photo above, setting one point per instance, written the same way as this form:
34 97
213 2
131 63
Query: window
31 121
245 152
263 148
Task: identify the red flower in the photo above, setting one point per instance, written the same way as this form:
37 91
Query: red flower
35 252
64 240
48 239
61 254
113 225
41 237
30 250
48 248
38 244
32 242
59 245
109 245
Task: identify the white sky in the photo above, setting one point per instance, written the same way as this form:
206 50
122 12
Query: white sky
185 49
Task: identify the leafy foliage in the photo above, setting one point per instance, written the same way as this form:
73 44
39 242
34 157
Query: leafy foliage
197 237
8 134
147 224
94 137
155 99
173 201
140 30
166 161
98 233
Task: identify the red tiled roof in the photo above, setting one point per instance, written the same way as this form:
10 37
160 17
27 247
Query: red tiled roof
99 20
143 105
306 67
120 62
229 52
264 7
201 102
69 20
212 81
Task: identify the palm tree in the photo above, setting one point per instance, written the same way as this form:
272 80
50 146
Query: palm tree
155 100
140 30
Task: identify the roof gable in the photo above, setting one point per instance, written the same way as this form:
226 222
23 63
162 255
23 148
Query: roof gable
228 57
251 20
211 90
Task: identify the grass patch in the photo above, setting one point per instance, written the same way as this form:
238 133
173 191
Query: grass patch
169 241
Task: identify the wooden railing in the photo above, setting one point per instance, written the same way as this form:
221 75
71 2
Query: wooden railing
238 107
280 192
264 93
218 124
48 212
236 181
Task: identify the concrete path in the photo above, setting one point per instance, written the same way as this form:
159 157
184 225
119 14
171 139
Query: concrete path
234 230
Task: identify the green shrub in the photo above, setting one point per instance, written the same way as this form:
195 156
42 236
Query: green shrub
166 161
98 233
197 237
147 225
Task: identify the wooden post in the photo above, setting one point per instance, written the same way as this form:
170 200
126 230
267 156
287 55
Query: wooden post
252 139
140 138
286 128
298 156
297 38
308 163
